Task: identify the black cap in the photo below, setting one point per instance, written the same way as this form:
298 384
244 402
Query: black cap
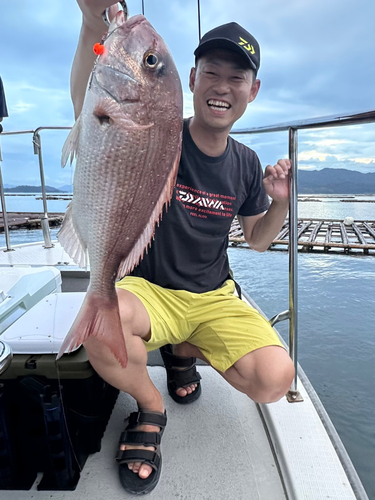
233 37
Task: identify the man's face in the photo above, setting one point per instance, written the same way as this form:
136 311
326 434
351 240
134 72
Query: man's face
222 89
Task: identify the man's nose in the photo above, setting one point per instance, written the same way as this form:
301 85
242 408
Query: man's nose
221 86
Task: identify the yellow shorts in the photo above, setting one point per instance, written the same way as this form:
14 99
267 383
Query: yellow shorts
221 325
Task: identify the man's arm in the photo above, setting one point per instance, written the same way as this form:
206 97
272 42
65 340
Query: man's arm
93 28
260 230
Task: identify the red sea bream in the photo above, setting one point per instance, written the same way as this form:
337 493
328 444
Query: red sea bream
127 141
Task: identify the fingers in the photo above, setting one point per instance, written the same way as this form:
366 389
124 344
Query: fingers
278 171
92 10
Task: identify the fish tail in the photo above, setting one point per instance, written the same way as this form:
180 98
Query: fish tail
100 318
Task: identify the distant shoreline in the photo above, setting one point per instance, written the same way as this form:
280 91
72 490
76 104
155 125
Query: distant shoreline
345 198
57 196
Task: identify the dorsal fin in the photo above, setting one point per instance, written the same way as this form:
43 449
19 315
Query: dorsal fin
145 238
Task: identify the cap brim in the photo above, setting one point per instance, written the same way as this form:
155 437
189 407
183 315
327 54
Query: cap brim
224 43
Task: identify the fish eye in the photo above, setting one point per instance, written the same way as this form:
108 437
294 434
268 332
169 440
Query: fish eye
151 60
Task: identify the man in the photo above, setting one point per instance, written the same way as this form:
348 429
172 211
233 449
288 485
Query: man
181 293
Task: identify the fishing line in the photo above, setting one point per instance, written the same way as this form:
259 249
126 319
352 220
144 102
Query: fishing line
199 19
60 392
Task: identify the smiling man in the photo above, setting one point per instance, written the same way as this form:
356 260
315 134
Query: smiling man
180 298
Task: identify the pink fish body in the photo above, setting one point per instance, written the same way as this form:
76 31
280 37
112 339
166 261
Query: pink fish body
127 142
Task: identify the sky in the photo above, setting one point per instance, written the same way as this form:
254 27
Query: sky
317 59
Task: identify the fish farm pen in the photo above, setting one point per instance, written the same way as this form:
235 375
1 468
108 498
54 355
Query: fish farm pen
25 220
314 235
324 235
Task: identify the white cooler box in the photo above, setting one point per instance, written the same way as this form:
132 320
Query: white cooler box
43 328
23 287
56 411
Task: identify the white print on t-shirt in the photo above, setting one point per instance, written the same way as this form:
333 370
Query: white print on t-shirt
201 203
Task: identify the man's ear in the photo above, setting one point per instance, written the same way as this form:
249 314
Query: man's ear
192 79
254 90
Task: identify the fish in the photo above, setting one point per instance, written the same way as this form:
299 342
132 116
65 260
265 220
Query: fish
127 144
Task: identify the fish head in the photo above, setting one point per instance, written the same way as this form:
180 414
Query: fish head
135 79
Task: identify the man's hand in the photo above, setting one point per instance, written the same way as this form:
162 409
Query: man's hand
92 11
93 28
276 180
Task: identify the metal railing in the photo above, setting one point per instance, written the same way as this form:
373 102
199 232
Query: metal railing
292 128
37 145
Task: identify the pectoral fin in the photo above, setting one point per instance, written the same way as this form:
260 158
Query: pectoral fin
71 144
70 240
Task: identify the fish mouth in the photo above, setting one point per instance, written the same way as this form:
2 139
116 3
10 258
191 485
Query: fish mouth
126 89
111 68
218 105
128 100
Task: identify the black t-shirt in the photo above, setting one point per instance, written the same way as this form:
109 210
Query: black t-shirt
189 250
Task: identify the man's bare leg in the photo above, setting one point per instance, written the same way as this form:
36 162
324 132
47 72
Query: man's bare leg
264 375
133 379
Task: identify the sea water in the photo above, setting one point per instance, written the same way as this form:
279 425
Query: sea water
336 338
336 311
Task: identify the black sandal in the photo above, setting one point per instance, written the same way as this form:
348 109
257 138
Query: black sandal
131 482
180 378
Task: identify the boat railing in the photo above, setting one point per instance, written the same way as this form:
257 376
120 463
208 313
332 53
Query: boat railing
37 145
292 128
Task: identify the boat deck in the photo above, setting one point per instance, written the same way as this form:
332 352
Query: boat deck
34 254
224 446
214 449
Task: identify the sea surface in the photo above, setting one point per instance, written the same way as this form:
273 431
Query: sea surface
336 338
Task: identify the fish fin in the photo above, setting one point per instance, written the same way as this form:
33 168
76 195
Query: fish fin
70 240
71 144
98 317
136 254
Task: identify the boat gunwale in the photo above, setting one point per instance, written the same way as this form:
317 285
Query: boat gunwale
349 469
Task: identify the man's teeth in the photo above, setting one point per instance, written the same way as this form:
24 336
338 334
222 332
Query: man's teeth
218 105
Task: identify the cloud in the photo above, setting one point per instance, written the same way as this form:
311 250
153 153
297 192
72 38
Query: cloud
23 107
316 61
327 142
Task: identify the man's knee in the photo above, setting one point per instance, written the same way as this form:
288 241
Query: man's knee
274 383
133 314
269 378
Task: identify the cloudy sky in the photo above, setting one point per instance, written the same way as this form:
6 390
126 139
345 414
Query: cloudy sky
317 60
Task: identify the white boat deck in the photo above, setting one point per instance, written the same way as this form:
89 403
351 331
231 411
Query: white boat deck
35 254
213 449
221 447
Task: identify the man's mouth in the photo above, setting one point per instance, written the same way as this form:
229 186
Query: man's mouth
218 105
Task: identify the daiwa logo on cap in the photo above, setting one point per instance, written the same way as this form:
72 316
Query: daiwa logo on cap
246 45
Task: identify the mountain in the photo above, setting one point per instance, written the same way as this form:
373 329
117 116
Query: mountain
67 188
335 181
31 189
325 181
